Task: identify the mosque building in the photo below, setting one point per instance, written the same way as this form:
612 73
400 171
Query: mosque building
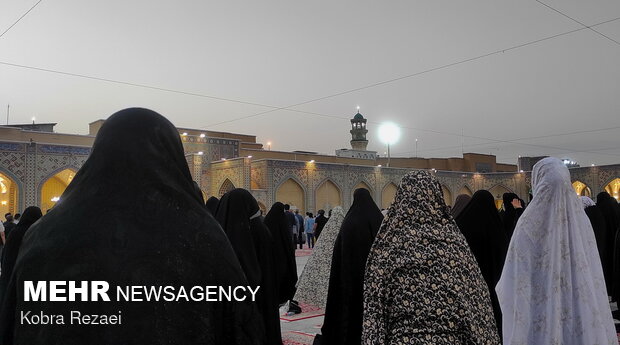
37 164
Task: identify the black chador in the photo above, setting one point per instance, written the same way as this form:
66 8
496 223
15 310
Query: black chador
286 268
131 216
211 204
238 213
344 308
479 222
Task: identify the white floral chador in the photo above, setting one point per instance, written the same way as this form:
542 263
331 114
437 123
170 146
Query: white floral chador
314 280
552 289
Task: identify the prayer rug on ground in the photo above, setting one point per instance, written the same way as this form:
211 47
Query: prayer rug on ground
297 338
303 252
307 311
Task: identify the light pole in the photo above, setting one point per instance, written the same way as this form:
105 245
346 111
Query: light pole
389 133
416 147
269 145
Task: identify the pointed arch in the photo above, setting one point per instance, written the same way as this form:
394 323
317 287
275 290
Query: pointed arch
290 192
387 195
582 189
226 187
447 195
465 190
613 188
498 193
327 195
9 194
53 187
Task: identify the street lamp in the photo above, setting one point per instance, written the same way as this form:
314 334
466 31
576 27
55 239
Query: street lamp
269 145
389 133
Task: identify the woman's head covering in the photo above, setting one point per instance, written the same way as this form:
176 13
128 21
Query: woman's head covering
509 215
30 215
480 224
286 267
461 201
137 164
343 311
422 283
13 243
553 241
364 211
507 201
314 280
234 212
211 204
238 213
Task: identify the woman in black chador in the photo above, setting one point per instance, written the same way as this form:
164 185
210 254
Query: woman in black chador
131 217
286 268
211 204
13 243
344 308
459 205
510 214
611 263
597 220
238 213
479 222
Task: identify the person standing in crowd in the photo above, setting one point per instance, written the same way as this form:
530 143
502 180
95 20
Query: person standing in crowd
286 267
600 230
211 205
459 205
299 221
17 218
422 283
343 310
319 223
480 224
8 225
552 289
11 249
606 204
314 280
292 223
238 213
510 213
136 163
309 227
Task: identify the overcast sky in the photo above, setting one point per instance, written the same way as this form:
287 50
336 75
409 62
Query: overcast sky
502 77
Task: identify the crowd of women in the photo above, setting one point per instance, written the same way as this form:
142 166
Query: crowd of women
420 273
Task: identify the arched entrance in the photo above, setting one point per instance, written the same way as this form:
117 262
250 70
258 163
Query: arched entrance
290 192
498 193
226 187
8 196
327 196
387 195
613 188
465 190
53 188
582 189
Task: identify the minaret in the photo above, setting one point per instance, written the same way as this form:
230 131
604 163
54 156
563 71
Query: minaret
358 132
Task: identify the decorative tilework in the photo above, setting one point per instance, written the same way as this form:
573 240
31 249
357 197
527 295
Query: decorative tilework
11 147
63 150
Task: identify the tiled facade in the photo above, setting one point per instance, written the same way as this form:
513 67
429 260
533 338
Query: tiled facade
29 165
